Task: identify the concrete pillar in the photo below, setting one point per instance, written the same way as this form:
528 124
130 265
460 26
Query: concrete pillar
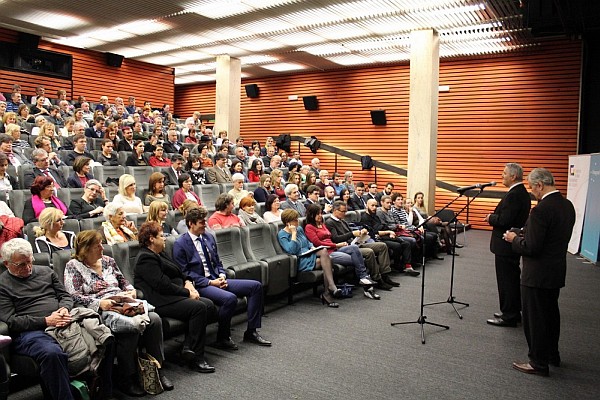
227 107
423 114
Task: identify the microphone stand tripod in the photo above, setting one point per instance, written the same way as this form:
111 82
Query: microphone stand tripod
422 320
451 298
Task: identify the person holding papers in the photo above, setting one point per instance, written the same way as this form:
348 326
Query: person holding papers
293 241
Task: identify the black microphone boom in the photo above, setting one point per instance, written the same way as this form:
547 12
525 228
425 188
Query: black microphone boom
475 186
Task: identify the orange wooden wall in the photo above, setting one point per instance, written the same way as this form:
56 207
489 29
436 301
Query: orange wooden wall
92 78
520 107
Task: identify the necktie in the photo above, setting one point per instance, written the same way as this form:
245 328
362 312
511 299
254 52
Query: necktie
206 254
48 174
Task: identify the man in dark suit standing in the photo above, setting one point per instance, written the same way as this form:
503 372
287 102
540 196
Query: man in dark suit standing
543 243
511 212
196 254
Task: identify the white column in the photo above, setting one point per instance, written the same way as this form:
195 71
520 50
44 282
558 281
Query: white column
423 114
227 104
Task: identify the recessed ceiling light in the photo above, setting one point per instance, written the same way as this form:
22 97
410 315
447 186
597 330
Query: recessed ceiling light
279 67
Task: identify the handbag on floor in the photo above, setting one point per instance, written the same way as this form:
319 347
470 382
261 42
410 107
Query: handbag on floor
149 378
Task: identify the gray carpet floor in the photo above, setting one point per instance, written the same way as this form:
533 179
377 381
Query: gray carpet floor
353 352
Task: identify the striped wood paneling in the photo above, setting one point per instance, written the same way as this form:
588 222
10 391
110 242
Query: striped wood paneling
92 78
520 107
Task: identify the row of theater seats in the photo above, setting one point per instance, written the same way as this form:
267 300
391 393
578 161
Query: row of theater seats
208 193
251 252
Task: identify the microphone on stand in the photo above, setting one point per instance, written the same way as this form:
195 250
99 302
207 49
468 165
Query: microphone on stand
475 186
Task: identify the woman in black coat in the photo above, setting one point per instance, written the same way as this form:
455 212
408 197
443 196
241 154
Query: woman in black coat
172 293
137 158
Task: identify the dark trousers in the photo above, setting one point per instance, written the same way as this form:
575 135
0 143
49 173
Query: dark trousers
226 299
508 278
541 323
51 359
400 251
128 343
195 312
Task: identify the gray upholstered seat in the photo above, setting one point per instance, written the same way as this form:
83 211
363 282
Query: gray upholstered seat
17 201
103 172
258 246
229 246
208 194
141 175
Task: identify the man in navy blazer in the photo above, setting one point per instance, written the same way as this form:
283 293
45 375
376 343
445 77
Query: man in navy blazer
511 212
196 254
543 243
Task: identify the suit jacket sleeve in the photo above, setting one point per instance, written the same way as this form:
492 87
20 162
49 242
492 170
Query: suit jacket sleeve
532 243
148 268
211 175
189 261
338 234
511 209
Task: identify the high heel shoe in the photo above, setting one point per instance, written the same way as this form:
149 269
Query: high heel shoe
331 304
337 294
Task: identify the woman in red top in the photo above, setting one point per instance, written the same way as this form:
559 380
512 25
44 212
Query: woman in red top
340 253
256 170
157 160
191 138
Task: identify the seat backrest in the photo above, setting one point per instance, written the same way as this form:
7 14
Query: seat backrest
446 215
257 242
350 216
275 228
59 261
169 243
103 172
225 187
68 194
173 218
251 186
141 175
91 223
122 156
42 259
17 201
229 245
138 219
208 194
125 255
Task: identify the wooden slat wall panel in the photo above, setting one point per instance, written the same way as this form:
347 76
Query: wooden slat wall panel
92 78
520 107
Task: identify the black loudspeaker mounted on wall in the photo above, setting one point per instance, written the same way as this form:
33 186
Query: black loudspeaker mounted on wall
252 90
114 60
28 41
378 117
310 103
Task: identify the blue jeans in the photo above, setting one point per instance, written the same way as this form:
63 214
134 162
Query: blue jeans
350 255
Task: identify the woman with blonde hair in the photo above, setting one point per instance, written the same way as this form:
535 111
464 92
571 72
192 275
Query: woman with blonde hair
158 213
126 199
184 209
49 235
277 184
49 130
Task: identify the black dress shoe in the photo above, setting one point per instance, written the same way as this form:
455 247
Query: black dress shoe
502 322
389 281
132 388
529 369
201 366
164 381
226 344
187 355
381 284
254 337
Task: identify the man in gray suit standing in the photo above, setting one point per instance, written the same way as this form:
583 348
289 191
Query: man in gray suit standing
543 243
